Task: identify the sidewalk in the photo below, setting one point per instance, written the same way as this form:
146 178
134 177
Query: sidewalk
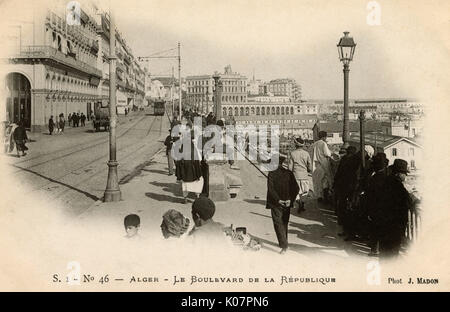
152 192
41 143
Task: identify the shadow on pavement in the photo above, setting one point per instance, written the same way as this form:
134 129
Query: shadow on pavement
304 250
168 187
166 198
256 201
91 196
156 171
318 227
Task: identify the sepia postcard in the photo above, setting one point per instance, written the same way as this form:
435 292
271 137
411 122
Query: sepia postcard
201 146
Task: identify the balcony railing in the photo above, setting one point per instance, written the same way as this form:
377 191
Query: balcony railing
55 55
414 224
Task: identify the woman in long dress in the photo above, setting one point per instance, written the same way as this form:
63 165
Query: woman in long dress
189 171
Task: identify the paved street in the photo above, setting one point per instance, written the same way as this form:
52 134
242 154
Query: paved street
72 167
152 192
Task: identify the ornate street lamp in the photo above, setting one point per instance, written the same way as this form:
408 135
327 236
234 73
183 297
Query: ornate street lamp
346 49
112 191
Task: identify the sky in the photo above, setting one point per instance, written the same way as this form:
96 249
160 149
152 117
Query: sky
296 39
278 39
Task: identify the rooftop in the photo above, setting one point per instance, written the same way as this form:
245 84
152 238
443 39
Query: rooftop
337 126
380 139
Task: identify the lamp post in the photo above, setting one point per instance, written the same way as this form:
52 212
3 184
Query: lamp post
217 108
112 192
346 49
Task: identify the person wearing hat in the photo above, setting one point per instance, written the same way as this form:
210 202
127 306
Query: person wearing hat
321 174
168 142
393 207
282 190
372 195
345 184
300 165
206 230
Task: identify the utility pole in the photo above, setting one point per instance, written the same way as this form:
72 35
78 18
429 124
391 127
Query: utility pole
171 93
179 77
112 192
207 99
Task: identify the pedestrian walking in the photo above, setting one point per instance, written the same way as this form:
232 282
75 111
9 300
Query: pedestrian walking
9 138
282 189
300 165
83 119
188 170
321 174
20 138
69 119
393 210
62 123
51 125
78 119
168 142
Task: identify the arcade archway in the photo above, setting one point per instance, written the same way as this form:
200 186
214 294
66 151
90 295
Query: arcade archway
18 99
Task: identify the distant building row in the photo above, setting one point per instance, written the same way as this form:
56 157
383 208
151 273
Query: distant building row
54 67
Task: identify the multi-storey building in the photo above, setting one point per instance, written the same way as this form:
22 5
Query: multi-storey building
58 67
409 128
269 109
200 89
282 87
378 106
200 92
287 124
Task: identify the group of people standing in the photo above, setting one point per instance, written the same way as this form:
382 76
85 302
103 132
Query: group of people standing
191 171
73 120
370 199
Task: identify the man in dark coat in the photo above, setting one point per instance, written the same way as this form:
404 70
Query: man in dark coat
75 120
393 210
282 189
51 125
373 194
168 143
345 185
83 119
20 137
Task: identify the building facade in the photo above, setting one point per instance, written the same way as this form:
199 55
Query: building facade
297 125
405 128
200 90
64 68
378 106
334 129
269 109
282 87
394 147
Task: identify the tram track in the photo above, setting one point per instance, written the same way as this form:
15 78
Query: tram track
98 170
70 151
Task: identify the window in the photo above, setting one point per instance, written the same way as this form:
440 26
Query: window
394 152
411 151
